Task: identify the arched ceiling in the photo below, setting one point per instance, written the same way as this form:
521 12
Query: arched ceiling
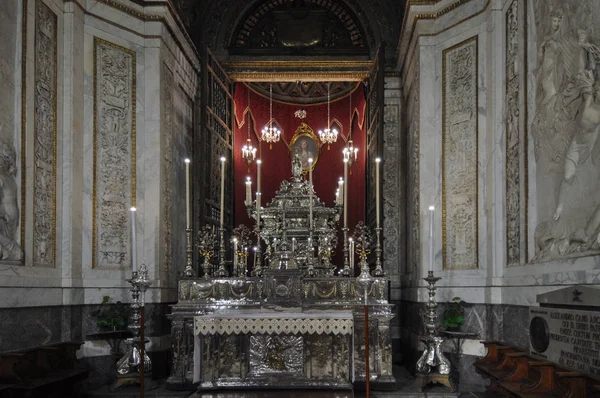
294 28
304 93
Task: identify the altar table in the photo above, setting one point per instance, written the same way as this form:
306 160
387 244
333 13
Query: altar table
254 348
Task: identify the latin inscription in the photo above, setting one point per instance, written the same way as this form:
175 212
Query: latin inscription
574 339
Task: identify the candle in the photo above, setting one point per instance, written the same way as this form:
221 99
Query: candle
351 253
255 249
235 256
310 193
293 244
187 193
346 183
341 191
377 161
222 191
431 210
258 194
248 191
133 241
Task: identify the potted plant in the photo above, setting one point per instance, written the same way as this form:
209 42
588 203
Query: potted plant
111 316
454 314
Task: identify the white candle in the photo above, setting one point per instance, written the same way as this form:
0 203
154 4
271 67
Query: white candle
293 245
235 256
346 184
187 194
248 191
310 193
341 191
255 249
133 241
377 161
351 253
258 194
431 211
222 191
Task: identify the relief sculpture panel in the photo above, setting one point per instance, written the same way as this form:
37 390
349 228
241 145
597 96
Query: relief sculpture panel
167 166
114 154
564 128
391 189
414 182
459 156
44 141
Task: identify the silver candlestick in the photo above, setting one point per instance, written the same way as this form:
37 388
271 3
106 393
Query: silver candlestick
378 271
189 251
310 271
129 368
346 271
257 270
432 366
222 271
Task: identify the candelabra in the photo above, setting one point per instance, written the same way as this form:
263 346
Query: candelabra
346 271
129 368
189 270
432 366
222 271
378 271
206 246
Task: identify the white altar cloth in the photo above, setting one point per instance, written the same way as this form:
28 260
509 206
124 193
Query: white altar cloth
322 322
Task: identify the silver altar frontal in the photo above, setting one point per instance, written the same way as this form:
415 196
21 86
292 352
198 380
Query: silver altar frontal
294 323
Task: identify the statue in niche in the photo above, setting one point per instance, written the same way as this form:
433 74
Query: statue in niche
296 167
9 210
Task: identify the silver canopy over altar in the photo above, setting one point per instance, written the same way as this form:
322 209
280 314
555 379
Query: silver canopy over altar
294 323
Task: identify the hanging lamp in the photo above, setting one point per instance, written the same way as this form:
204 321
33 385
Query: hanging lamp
328 135
270 134
248 151
350 152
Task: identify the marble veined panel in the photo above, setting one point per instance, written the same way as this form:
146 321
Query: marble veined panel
114 154
459 156
44 141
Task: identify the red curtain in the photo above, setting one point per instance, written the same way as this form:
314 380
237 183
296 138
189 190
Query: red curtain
276 161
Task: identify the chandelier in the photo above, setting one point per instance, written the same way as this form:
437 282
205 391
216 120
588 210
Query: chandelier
248 151
328 135
350 152
270 134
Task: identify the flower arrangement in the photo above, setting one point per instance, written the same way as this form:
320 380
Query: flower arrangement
111 316
454 315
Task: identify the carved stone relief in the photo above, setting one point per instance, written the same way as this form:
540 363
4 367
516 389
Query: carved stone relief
167 166
44 145
565 126
391 190
459 156
414 182
10 251
515 142
114 153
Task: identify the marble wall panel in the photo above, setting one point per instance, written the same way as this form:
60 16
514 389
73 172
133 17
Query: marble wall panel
44 140
564 49
29 327
460 156
114 153
414 153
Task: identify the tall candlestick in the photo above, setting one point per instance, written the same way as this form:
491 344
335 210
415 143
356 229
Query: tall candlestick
133 241
431 211
222 191
248 191
346 184
310 193
258 193
187 193
377 161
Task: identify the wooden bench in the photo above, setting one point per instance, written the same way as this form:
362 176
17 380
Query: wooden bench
46 371
514 373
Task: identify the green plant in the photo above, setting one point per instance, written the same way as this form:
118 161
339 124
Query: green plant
454 315
111 316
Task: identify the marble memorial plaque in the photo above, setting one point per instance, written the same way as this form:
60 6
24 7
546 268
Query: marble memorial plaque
568 337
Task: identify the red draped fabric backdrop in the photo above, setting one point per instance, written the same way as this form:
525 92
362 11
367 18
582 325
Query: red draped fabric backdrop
276 161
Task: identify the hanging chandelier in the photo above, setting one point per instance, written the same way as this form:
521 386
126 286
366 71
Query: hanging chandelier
248 151
328 135
350 152
270 134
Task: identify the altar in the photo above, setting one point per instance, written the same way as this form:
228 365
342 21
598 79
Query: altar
295 319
